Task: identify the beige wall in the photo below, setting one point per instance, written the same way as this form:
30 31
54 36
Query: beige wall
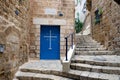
108 31
42 17
14 35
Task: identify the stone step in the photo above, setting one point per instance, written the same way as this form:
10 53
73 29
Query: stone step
94 52
15 79
76 74
89 49
84 38
79 46
99 60
93 68
71 75
38 76
89 44
85 41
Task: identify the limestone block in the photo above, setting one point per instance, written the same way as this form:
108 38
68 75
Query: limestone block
38 47
32 47
38 38
37 43
66 66
32 55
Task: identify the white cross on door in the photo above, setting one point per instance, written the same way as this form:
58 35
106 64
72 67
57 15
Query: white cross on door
50 39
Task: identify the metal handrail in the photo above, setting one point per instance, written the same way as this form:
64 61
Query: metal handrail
66 38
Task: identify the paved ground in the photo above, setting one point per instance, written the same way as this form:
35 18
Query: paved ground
43 65
57 66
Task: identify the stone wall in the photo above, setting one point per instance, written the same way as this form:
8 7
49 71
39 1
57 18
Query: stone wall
42 15
87 25
14 35
107 32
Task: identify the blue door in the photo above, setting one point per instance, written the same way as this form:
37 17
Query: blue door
50 42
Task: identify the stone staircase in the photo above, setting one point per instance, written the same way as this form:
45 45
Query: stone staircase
93 58
91 62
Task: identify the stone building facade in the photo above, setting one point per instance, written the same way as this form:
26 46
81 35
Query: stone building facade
107 32
50 13
20 26
13 35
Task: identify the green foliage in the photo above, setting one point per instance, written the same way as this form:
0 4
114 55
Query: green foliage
78 25
100 11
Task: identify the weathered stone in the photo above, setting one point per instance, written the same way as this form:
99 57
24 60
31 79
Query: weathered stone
49 15
109 24
84 75
13 34
32 47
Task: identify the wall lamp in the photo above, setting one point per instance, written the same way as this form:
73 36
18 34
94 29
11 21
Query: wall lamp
2 48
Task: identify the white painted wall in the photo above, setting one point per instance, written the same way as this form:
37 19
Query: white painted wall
79 9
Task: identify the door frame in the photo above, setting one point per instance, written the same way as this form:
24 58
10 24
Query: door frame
46 21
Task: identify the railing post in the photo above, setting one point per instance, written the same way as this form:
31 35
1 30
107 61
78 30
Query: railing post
66 48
